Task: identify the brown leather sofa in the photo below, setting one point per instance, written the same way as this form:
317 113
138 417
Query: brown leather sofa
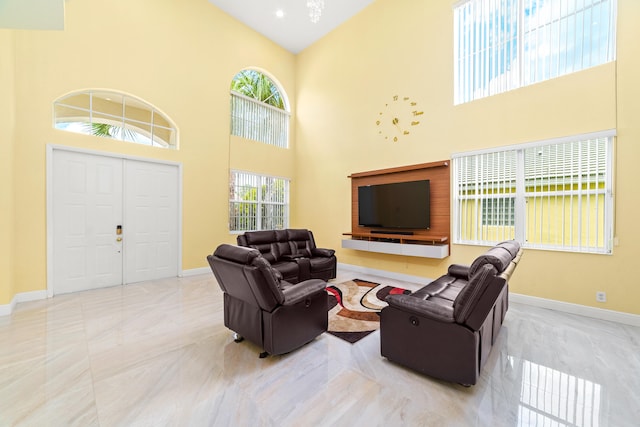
447 328
293 253
262 307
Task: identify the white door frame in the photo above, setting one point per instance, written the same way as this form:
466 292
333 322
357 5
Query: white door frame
49 190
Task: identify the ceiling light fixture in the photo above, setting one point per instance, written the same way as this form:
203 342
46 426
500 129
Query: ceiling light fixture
315 9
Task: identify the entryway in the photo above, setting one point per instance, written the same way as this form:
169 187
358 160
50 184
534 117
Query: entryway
111 220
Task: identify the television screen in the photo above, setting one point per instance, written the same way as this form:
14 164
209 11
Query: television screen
396 205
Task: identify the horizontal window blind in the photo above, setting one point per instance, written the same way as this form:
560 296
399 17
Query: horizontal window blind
255 120
566 192
553 195
257 202
485 185
500 45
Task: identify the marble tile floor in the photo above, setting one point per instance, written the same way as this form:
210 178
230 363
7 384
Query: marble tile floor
157 354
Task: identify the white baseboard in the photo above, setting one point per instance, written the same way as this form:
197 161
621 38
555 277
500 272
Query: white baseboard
7 309
582 310
196 271
566 307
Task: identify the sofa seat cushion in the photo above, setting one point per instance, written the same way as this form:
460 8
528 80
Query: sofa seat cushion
445 288
431 307
288 269
434 300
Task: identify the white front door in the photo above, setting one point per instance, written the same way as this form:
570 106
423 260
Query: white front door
93 197
151 218
87 208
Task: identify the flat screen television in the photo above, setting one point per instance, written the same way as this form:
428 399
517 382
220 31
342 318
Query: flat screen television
401 205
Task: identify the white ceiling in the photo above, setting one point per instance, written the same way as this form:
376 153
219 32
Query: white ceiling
294 31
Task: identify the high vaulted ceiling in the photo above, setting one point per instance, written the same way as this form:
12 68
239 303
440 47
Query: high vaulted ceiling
294 30
286 22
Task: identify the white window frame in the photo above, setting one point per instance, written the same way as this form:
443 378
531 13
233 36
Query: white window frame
240 182
124 117
500 45
563 191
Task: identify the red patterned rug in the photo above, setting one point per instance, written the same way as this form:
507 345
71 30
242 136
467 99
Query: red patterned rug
354 307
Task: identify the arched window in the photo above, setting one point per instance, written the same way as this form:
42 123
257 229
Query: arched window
259 109
114 115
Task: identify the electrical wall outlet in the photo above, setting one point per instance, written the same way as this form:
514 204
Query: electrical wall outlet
601 296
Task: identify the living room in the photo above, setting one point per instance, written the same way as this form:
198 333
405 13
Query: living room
182 56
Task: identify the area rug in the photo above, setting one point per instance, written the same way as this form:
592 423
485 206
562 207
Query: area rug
354 307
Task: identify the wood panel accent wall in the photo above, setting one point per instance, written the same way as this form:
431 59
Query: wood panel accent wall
438 173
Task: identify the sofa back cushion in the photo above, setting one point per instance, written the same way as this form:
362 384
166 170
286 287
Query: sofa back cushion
264 241
468 297
511 245
269 281
483 283
244 274
301 241
500 256
281 243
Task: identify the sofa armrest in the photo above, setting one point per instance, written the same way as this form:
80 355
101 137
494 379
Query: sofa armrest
322 252
459 271
292 257
421 307
293 294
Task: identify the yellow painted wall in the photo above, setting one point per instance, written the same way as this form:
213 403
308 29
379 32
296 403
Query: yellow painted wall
181 56
178 56
404 47
6 164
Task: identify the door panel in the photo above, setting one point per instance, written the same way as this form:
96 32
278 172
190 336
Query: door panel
92 195
87 194
151 219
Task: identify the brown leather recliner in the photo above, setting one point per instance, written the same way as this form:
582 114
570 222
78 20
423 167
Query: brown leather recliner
447 328
293 253
262 307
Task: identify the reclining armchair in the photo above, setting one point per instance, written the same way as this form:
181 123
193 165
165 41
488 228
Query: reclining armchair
258 305
447 328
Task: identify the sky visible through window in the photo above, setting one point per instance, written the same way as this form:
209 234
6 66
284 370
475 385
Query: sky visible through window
512 43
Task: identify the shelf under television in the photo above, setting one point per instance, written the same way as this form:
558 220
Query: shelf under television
425 246
400 238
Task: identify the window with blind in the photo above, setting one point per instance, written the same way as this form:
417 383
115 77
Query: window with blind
257 202
500 45
258 109
549 195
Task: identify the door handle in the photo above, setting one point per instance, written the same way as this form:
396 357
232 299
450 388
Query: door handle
118 230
